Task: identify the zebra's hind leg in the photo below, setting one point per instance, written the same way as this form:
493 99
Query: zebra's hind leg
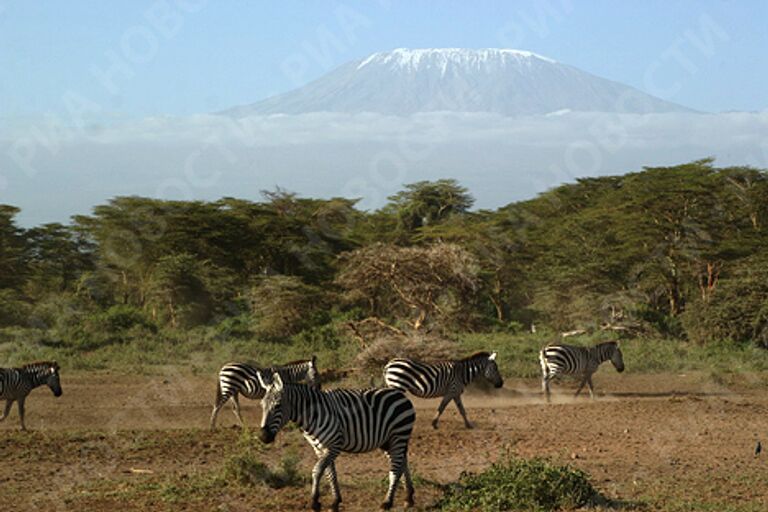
334 481
545 387
463 413
440 408
398 461
217 405
408 484
8 405
236 408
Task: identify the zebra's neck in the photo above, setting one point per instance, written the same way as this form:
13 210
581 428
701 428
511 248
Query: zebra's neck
35 375
469 369
303 405
602 352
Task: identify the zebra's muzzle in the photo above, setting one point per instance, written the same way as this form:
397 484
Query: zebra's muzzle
266 436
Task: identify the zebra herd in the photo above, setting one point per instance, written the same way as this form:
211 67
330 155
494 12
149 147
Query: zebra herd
348 420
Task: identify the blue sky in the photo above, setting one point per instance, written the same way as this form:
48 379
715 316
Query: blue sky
189 56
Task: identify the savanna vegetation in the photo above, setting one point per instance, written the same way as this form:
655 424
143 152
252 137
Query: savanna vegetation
678 255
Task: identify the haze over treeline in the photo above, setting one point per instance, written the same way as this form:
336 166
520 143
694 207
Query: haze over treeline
679 252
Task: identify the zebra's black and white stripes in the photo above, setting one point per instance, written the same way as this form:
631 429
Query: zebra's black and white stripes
343 420
579 361
17 383
237 379
445 378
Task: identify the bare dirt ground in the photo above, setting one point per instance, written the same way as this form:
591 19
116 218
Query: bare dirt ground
122 442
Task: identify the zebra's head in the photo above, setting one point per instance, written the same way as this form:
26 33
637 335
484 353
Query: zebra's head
272 416
52 379
492 372
313 375
616 357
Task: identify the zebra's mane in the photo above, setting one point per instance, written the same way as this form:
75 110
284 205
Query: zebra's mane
38 365
295 363
477 355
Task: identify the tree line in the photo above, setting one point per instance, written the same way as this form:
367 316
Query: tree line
677 251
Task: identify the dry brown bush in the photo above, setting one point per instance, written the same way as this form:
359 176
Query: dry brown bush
423 347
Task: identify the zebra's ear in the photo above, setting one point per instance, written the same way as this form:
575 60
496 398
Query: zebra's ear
263 384
314 360
492 357
277 381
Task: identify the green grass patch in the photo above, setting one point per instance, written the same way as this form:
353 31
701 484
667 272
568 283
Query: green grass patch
517 484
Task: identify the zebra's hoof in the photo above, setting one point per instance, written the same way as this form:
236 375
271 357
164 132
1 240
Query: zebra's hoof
469 425
316 506
387 505
409 503
434 425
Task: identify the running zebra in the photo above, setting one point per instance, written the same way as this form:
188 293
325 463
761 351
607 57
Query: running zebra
16 384
237 379
343 420
444 378
580 361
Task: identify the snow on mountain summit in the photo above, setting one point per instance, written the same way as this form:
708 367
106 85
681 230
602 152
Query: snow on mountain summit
502 81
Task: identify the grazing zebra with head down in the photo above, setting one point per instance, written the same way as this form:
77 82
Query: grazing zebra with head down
581 361
16 384
444 378
237 379
343 420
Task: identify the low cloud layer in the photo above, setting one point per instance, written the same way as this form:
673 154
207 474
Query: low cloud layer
52 171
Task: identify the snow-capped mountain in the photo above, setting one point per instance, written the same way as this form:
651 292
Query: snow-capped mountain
503 81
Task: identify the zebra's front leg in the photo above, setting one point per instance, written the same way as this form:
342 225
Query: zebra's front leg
398 462
463 413
440 408
325 460
334 481
8 405
581 386
591 388
21 413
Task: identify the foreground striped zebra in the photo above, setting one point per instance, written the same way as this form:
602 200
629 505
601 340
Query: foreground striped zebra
444 378
343 420
237 379
580 361
16 384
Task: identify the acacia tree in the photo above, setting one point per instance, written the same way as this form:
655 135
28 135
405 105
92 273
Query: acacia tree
428 202
412 283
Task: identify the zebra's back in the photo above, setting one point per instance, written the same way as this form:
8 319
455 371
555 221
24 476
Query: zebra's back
240 378
371 418
565 359
424 380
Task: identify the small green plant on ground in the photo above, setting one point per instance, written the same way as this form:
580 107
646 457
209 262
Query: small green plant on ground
246 468
514 484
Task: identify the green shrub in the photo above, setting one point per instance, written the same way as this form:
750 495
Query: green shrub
519 484
246 468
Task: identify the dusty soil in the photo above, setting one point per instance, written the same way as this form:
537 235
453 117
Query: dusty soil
122 442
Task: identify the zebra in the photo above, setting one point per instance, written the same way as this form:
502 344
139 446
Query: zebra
444 378
559 359
343 420
17 383
237 379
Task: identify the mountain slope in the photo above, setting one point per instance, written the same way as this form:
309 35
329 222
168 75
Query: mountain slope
508 82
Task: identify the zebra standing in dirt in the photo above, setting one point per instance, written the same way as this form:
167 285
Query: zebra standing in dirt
237 379
343 420
17 383
444 378
580 361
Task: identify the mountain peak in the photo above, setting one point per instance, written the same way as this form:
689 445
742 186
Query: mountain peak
414 58
497 80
